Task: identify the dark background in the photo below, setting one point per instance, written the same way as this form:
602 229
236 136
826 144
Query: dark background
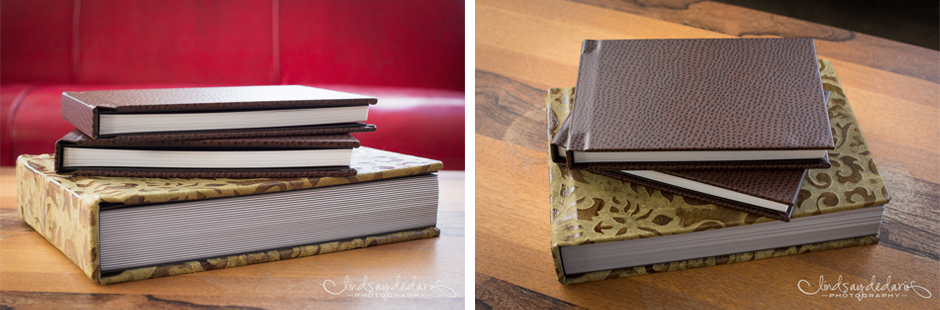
913 22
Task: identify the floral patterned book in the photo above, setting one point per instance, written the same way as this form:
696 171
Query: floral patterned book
589 209
69 212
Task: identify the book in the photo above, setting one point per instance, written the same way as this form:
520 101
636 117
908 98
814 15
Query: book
766 192
393 198
135 111
696 104
334 129
153 156
605 228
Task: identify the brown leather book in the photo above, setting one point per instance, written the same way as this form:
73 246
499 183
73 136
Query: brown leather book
697 104
137 111
335 129
765 192
265 157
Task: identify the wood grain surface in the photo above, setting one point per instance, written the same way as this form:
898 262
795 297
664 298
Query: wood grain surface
525 47
34 274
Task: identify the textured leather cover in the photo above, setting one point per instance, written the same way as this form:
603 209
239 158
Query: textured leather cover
83 108
698 94
77 139
64 208
591 208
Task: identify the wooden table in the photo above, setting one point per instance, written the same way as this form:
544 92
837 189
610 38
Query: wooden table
34 274
526 47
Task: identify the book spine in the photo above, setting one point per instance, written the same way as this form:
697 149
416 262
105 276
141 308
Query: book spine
82 116
63 217
705 262
579 124
59 156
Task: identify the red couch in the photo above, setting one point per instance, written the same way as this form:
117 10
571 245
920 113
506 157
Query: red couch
409 54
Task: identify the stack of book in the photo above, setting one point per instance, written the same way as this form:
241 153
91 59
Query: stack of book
684 153
241 132
163 182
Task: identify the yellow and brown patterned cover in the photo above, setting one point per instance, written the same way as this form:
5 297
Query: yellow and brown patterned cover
590 208
64 208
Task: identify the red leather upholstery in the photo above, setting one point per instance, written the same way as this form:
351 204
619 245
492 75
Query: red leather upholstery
8 95
36 41
409 54
354 42
176 41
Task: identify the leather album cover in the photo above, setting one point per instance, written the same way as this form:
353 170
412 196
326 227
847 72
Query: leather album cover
591 208
698 95
65 208
82 109
780 186
76 138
